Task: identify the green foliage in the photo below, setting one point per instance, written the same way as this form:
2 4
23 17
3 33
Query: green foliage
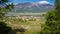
32 19
12 5
4 29
7 7
52 25
22 30
4 0
57 4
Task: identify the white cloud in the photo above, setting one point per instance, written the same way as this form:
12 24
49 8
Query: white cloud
43 2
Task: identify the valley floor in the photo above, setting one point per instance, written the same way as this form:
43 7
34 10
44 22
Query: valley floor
31 24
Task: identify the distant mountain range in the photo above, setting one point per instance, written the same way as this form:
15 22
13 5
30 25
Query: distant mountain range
32 7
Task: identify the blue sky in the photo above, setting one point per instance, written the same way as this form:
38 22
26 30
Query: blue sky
22 1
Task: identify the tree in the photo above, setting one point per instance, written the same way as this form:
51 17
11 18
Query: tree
4 29
4 7
52 25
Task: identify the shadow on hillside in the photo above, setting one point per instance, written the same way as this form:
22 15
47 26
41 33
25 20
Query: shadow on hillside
17 30
4 29
13 32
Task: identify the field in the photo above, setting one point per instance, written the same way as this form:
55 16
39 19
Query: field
31 24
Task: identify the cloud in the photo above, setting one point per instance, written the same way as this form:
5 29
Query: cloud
43 2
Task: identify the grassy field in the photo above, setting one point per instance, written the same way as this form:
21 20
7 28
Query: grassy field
32 26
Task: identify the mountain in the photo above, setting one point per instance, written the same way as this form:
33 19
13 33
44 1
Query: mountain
33 7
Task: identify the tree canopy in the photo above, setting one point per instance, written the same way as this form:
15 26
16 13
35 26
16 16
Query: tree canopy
4 7
52 24
4 29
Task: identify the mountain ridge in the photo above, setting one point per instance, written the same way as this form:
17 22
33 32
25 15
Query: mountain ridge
33 7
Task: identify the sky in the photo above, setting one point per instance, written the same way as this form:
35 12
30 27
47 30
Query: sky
23 1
